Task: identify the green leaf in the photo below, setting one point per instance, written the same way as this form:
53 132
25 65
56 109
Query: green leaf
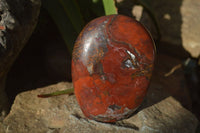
109 7
57 93
73 12
68 25
97 7
91 9
85 9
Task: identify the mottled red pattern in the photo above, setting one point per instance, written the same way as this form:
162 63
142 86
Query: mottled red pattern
111 67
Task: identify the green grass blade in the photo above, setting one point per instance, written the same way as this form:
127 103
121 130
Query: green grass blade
57 93
109 7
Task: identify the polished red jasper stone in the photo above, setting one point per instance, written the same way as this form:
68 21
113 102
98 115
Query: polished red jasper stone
112 64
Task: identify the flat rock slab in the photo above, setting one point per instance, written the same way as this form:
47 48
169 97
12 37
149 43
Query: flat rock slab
30 114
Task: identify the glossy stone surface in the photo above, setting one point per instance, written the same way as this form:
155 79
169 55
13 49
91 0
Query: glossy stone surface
112 64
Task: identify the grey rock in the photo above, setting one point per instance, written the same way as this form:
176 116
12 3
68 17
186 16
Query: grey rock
190 26
18 19
167 116
1 128
62 114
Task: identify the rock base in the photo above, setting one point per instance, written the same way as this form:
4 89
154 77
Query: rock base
30 114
